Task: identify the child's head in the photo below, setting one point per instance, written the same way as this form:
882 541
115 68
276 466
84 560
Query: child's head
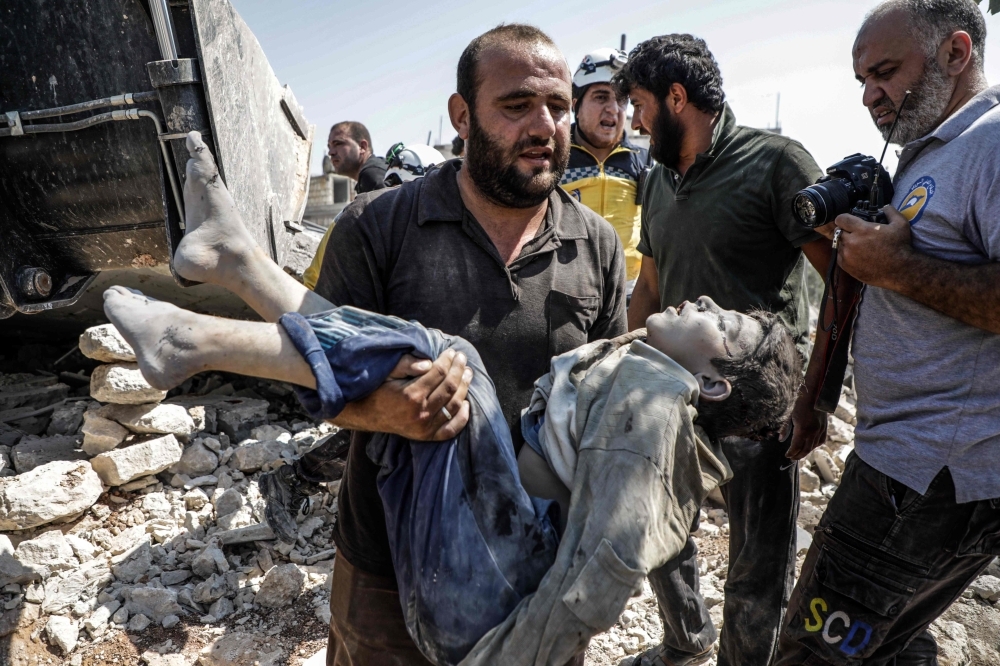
747 366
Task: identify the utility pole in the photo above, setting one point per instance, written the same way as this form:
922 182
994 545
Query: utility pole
623 41
429 133
440 129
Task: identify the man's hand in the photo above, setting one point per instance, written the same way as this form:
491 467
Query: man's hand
809 427
876 254
409 402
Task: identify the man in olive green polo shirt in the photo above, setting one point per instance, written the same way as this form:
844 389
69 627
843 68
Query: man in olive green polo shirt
717 220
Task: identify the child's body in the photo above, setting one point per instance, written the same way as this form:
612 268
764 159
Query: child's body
613 439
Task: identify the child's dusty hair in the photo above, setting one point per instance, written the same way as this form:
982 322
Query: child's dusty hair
765 382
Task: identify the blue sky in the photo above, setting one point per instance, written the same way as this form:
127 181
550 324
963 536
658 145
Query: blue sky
391 65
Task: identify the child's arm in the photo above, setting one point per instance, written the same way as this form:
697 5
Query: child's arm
540 481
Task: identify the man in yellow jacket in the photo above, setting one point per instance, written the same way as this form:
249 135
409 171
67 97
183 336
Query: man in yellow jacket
605 171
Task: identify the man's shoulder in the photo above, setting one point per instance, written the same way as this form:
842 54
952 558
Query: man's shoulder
766 141
584 222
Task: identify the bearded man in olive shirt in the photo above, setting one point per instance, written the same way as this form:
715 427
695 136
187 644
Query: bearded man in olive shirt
490 249
717 219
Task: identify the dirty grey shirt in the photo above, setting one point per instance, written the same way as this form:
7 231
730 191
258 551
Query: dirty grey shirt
929 385
642 470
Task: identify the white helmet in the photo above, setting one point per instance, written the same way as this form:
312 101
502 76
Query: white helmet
408 163
597 67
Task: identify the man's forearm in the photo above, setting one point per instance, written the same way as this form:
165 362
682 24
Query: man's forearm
968 293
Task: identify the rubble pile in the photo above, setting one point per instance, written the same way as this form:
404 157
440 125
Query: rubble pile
128 513
133 528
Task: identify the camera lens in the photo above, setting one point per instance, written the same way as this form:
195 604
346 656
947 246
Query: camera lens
821 203
805 209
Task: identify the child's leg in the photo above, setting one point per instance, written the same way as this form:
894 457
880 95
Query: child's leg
172 344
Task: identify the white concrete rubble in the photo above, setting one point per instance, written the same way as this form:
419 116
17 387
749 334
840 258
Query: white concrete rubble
101 434
281 586
152 419
55 491
106 344
150 457
122 384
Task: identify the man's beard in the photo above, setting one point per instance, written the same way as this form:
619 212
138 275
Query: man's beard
927 102
349 166
666 136
494 169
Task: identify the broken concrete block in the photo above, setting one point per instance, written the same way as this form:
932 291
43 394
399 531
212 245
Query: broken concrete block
138 622
240 648
98 620
122 384
152 419
151 457
176 577
197 460
101 434
252 455
33 451
808 481
51 492
210 590
135 566
228 502
281 586
258 532
62 594
208 561
67 418
51 550
825 465
154 602
237 417
62 633
106 344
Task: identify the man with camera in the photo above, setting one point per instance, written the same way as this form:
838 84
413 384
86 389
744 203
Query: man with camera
917 515
717 219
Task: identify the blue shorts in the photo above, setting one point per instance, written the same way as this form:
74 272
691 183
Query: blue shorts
467 541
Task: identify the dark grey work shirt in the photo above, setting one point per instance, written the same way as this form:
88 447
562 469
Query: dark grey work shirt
726 230
416 252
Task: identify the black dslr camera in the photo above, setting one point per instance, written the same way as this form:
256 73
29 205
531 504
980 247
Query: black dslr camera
857 185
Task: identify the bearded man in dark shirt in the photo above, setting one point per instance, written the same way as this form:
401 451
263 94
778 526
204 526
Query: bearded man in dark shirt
490 249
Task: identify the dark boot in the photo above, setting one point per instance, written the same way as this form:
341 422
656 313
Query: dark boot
285 494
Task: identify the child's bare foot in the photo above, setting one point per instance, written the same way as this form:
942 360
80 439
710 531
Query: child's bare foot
215 243
166 339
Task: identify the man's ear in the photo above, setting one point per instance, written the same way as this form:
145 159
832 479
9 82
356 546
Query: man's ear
677 98
957 53
713 387
458 112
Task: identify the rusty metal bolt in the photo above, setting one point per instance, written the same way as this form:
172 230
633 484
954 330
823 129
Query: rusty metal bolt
34 282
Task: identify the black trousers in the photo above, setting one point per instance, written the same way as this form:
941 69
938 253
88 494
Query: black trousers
763 503
885 562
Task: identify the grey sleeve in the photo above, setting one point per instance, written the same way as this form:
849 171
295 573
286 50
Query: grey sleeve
984 225
794 170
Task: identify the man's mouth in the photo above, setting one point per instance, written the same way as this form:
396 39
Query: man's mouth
608 124
883 117
537 156
681 307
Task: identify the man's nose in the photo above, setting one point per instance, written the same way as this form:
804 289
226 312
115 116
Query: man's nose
543 124
872 93
637 121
